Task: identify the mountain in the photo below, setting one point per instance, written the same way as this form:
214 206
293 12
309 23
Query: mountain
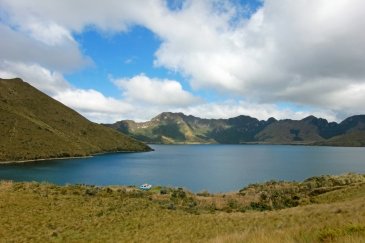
350 132
171 128
35 126
175 128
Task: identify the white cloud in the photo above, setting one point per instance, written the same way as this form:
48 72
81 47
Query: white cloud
229 108
49 33
18 46
108 15
94 105
308 52
38 76
154 91
273 50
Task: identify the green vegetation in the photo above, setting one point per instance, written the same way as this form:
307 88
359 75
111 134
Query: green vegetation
351 139
319 209
35 126
166 128
177 128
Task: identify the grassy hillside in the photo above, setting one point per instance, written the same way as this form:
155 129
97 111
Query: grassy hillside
169 128
35 126
326 209
289 132
351 139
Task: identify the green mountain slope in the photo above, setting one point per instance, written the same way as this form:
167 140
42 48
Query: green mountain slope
179 128
170 128
35 126
352 139
289 132
350 133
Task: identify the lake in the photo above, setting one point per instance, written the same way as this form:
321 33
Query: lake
216 168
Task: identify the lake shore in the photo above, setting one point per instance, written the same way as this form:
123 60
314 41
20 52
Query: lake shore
45 159
65 158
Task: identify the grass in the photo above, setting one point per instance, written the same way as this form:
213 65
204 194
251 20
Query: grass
35 126
42 212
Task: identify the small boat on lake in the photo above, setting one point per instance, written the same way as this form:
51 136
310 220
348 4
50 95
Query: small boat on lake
145 187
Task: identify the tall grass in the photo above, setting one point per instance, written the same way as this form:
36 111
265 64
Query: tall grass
41 212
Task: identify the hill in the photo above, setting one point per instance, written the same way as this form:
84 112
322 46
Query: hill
179 128
319 209
35 126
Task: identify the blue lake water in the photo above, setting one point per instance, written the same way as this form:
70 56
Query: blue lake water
216 168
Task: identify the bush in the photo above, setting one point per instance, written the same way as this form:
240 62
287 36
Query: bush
233 204
90 192
178 194
163 191
259 206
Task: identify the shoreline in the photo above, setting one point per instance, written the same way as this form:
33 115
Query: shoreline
263 143
65 158
45 159
335 180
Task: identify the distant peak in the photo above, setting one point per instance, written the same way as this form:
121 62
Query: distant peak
242 117
272 119
169 115
310 118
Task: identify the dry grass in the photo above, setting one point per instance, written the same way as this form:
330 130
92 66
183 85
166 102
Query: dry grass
33 212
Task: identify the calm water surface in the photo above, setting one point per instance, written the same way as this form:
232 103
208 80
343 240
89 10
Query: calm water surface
216 168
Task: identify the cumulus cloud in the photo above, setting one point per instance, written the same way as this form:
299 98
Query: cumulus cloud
38 76
18 46
94 105
154 91
108 15
304 52
230 108
285 45
49 33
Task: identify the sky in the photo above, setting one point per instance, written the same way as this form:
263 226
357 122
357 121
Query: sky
113 60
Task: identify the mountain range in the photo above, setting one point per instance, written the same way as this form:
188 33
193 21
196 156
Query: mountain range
178 128
35 126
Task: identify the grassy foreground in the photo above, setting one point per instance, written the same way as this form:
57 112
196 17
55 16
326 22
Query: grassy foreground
319 209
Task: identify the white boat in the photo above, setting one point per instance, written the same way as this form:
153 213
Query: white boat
145 187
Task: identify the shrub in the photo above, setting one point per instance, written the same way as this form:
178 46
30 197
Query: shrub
178 194
259 206
163 191
91 192
233 204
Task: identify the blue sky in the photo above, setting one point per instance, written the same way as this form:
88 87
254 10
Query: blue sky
216 59
116 55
